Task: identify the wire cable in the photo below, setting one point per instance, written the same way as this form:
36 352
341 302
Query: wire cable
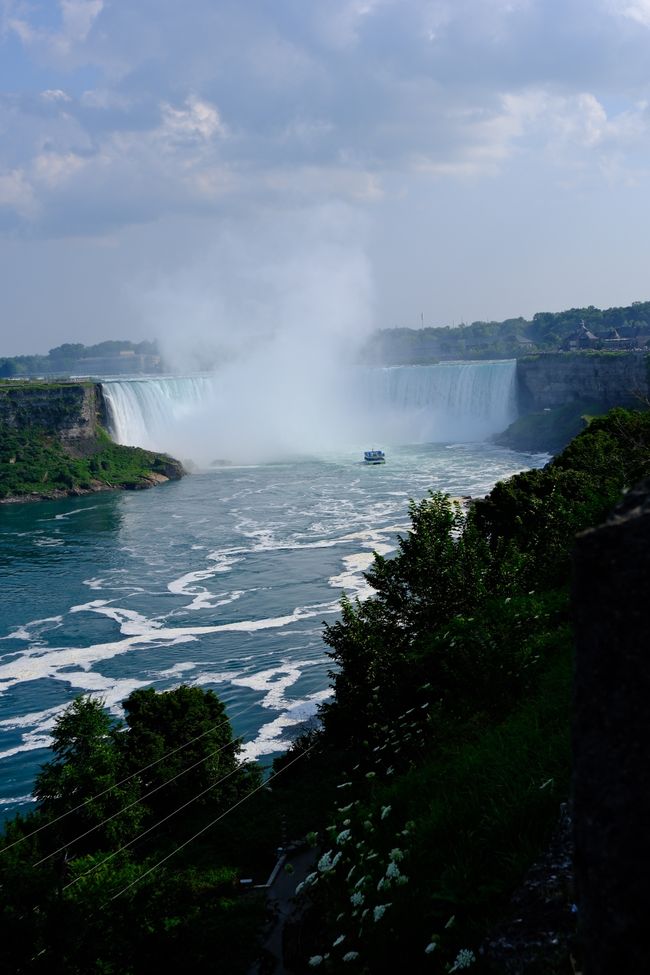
150 828
205 828
135 802
128 778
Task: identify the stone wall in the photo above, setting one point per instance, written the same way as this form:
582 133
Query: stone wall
69 410
611 738
551 380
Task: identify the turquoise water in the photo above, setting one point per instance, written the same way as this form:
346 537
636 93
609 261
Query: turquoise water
222 580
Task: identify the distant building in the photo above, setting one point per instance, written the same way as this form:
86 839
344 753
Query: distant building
582 339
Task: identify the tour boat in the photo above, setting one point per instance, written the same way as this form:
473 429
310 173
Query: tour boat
374 457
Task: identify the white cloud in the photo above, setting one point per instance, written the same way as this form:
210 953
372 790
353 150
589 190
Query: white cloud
637 10
77 20
16 193
55 95
54 169
197 119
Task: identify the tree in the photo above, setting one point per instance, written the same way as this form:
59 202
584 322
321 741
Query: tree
82 780
184 735
441 569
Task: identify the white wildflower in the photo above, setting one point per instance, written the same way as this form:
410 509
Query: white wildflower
360 881
464 959
351 956
390 770
350 872
430 948
344 809
339 940
383 884
315 961
343 837
402 881
379 911
336 859
392 871
396 854
357 899
310 879
385 811
325 863
346 822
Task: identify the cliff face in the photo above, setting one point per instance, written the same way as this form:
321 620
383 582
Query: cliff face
556 379
71 411
53 443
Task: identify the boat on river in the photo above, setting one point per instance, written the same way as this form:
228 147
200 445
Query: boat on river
374 457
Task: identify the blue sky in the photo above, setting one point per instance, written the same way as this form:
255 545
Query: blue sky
205 170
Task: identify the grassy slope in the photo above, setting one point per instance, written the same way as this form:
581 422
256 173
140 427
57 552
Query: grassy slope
32 462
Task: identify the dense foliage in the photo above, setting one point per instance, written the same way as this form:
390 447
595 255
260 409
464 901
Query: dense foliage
34 462
70 358
452 686
105 804
546 331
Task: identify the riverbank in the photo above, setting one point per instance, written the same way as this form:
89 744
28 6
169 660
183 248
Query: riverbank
54 444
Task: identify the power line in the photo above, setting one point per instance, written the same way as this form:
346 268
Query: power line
135 802
150 828
128 778
205 828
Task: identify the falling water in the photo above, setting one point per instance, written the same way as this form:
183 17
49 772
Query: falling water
446 402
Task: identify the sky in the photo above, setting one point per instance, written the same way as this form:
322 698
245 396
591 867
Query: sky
208 171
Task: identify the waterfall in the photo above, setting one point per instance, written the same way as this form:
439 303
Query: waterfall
447 401
232 415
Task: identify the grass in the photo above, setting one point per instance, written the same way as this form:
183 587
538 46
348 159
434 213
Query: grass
33 462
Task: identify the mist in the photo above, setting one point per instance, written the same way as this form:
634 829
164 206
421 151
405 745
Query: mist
276 311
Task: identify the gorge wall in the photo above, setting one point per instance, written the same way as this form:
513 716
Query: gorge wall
71 411
552 380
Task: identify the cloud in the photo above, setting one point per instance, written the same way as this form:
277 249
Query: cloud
637 10
77 18
121 116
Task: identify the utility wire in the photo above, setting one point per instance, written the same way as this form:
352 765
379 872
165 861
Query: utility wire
135 802
205 828
150 828
128 778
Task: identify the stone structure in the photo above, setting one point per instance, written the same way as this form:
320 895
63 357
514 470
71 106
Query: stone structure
551 380
611 737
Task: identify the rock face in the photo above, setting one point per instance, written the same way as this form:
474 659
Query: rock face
552 380
612 738
69 410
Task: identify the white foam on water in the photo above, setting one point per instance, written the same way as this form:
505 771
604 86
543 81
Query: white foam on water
28 720
140 633
269 738
178 669
30 631
16 800
75 511
202 598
